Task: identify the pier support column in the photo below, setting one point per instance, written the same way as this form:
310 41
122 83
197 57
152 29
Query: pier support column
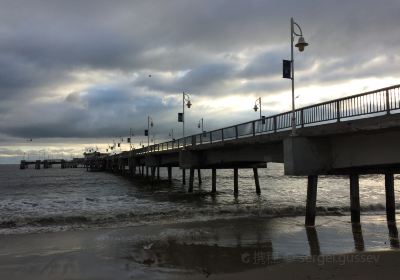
183 176
390 200
153 173
311 199
158 172
354 198
214 180
169 174
199 176
235 181
191 179
147 172
257 181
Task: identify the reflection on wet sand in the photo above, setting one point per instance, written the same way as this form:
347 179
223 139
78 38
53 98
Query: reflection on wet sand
312 237
358 237
248 248
393 235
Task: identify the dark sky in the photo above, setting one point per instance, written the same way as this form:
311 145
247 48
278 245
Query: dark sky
71 71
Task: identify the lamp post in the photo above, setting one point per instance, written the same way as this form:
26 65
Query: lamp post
258 100
149 124
201 125
171 134
301 44
130 139
185 98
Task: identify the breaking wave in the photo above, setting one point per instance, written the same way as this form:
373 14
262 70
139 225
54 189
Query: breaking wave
60 222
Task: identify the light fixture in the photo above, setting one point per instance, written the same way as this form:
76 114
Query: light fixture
301 44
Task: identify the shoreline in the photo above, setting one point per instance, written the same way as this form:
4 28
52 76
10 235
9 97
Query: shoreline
233 248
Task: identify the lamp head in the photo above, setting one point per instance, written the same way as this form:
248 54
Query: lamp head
255 108
151 124
189 104
301 44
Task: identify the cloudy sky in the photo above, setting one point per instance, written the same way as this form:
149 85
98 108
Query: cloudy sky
76 74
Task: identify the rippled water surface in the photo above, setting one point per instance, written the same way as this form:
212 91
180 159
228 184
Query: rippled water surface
58 199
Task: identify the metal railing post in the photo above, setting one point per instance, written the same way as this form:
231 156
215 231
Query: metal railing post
387 102
236 132
254 127
222 134
275 129
338 111
302 117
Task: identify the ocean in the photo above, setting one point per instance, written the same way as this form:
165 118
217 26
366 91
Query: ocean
55 199
73 224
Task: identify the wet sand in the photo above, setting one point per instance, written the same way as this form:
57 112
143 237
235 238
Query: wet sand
221 249
367 265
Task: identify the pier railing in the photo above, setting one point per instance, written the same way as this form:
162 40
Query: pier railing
367 104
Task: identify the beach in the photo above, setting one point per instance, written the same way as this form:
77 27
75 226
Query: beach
221 249
73 224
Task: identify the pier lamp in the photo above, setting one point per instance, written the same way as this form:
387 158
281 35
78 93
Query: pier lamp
255 108
171 134
149 124
301 44
201 125
185 101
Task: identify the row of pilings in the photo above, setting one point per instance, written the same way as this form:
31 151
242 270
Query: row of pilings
126 166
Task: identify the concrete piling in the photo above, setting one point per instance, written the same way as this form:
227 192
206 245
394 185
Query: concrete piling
199 176
183 176
390 199
235 181
191 179
169 174
214 180
354 198
311 199
257 181
153 173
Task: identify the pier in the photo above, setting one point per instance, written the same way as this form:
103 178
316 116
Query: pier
350 136
48 163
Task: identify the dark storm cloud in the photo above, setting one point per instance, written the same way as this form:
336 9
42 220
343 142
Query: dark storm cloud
198 80
203 47
97 112
265 65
